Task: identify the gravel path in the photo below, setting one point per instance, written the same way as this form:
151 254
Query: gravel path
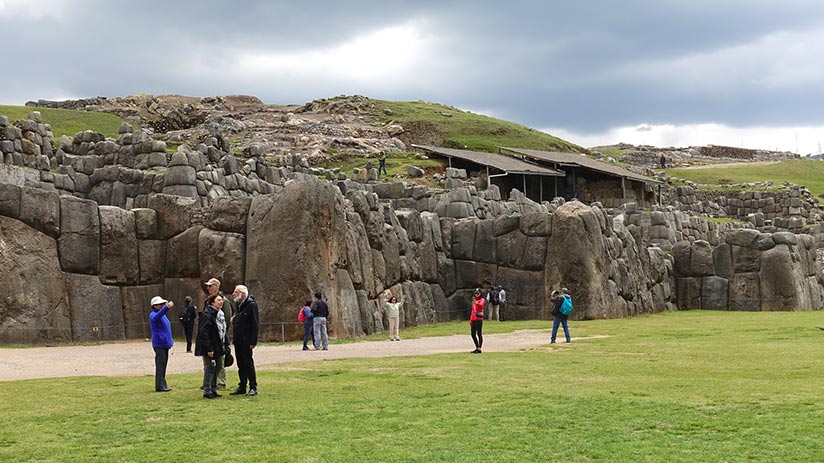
137 357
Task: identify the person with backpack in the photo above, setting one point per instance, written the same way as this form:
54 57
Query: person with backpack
305 316
476 320
187 318
561 308
494 299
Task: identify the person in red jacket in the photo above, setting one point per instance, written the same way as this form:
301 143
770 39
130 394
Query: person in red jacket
476 320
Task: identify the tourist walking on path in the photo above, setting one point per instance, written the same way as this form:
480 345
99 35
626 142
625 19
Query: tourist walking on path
161 340
476 320
559 317
320 311
188 314
382 163
393 314
245 329
305 316
209 344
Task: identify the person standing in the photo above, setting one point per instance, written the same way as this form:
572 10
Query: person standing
476 320
245 329
308 325
493 298
501 298
393 314
212 287
382 163
320 311
187 318
663 161
161 340
559 318
209 344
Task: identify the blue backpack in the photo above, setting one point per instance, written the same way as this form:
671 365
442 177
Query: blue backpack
566 306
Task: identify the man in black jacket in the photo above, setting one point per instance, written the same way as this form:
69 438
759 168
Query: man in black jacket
245 328
320 312
187 318
209 345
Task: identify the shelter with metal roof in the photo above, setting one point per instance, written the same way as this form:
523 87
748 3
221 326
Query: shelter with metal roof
505 171
591 180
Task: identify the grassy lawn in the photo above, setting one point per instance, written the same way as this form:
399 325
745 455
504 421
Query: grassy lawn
68 122
682 386
466 130
396 163
799 171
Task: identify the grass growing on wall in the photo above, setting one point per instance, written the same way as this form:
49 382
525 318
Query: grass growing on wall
805 172
679 386
66 121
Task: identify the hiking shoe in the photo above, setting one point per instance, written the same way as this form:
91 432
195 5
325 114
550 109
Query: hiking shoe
238 391
251 393
325 348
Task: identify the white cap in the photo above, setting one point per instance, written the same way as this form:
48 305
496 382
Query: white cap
158 300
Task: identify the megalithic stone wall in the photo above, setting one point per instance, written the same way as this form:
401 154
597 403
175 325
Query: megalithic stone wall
750 271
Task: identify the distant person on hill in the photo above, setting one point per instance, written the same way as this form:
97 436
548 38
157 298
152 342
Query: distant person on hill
663 161
161 340
559 318
393 314
382 163
305 316
320 311
476 320
188 314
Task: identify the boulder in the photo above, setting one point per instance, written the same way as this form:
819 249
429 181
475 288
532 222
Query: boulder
484 246
714 295
746 260
40 209
463 239
31 313
743 237
173 214
781 280
222 255
145 223
119 262
722 260
525 296
510 249
229 214
79 242
689 293
534 253
10 197
182 254
470 274
701 263
151 256
744 292
536 224
97 310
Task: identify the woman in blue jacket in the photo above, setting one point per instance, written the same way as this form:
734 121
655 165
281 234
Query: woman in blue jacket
161 340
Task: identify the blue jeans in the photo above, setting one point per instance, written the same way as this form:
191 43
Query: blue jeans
555 323
210 373
308 332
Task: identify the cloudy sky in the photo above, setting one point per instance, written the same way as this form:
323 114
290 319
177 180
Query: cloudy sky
664 72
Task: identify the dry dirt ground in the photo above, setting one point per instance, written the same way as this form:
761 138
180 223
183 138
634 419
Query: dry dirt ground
137 357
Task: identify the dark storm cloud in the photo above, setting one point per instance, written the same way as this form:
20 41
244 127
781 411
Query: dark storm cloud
582 65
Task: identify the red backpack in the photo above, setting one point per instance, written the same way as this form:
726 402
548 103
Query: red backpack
301 315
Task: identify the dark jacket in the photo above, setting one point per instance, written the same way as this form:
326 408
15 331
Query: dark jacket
557 302
188 314
246 324
320 309
208 337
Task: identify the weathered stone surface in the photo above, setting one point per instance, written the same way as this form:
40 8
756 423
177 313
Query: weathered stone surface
781 280
485 248
119 263
744 292
463 239
308 220
40 210
722 260
471 274
681 252
229 214
701 263
145 223
746 259
173 214
714 293
31 313
222 255
743 237
347 319
97 310
534 253
10 200
151 255
79 242
510 249
182 254
536 224
689 293
525 293
506 224
446 273
426 259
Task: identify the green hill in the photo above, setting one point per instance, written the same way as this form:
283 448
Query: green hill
68 122
806 172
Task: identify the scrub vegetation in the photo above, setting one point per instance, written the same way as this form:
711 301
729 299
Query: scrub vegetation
676 386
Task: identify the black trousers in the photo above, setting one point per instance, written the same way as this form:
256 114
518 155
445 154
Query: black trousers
476 328
187 330
245 366
161 360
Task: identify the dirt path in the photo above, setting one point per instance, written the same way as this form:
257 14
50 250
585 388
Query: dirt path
137 357
730 164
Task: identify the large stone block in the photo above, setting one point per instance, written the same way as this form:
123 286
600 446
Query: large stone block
79 242
446 273
525 293
743 237
173 213
681 254
119 262
722 260
97 310
471 274
536 224
781 280
40 209
145 222
34 308
485 247
463 239
182 254
701 263
222 255
746 260
744 292
229 214
510 249
151 255
10 196
534 253
176 289
688 293
714 293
